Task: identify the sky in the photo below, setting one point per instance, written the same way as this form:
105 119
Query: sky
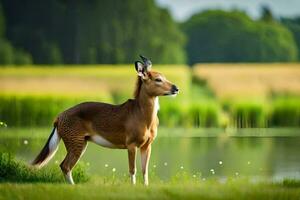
183 9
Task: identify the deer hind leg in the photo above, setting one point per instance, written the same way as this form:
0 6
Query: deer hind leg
75 149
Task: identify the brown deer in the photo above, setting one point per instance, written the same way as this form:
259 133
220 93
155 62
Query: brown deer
130 125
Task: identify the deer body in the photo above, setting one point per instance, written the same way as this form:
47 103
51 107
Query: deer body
130 125
117 125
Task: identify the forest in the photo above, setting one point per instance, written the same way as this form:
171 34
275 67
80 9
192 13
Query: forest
115 32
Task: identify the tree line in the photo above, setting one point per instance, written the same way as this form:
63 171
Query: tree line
114 31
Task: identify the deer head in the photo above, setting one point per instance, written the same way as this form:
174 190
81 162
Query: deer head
154 83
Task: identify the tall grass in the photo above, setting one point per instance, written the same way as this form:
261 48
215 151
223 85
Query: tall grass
195 114
33 96
29 111
285 112
21 110
249 92
12 170
249 115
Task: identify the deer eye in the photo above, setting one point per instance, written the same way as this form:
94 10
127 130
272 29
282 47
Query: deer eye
158 80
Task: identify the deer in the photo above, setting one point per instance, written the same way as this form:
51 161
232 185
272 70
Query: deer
132 125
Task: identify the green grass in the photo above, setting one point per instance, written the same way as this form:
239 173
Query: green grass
26 101
286 112
19 181
30 111
249 114
12 170
24 111
98 188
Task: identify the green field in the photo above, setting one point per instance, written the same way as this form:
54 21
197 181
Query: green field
41 92
99 189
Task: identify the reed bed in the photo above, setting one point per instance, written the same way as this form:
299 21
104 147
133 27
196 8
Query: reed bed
30 111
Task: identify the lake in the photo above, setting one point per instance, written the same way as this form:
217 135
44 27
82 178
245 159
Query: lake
220 156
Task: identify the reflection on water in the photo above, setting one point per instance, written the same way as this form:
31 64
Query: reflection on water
275 157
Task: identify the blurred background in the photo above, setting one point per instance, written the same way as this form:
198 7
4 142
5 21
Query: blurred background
236 63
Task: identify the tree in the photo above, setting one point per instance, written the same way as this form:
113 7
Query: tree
21 57
220 36
8 54
106 31
266 14
294 26
2 24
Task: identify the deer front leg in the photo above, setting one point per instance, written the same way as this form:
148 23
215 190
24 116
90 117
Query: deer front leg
145 157
131 159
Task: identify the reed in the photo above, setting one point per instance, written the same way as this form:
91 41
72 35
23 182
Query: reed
19 110
248 114
285 112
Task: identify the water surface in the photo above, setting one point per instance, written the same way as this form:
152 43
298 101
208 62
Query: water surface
219 156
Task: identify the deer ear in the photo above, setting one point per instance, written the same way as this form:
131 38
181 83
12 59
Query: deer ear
140 68
148 63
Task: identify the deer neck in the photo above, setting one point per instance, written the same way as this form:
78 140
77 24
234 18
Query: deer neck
149 106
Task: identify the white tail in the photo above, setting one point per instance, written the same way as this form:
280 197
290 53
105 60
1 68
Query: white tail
48 150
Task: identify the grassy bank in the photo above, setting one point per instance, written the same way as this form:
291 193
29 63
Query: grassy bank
12 170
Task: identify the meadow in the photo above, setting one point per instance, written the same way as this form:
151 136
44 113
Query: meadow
213 95
179 189
254 81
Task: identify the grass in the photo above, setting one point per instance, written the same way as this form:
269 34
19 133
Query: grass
248 114
30 111
26 111
33 96
12 170
24 101
19 110
254 95
187 189
48 184
286 112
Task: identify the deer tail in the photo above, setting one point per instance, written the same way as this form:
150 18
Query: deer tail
48 150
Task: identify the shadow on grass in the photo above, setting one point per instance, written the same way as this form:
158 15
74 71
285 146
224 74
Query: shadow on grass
15 171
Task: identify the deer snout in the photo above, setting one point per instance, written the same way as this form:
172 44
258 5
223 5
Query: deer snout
174 89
